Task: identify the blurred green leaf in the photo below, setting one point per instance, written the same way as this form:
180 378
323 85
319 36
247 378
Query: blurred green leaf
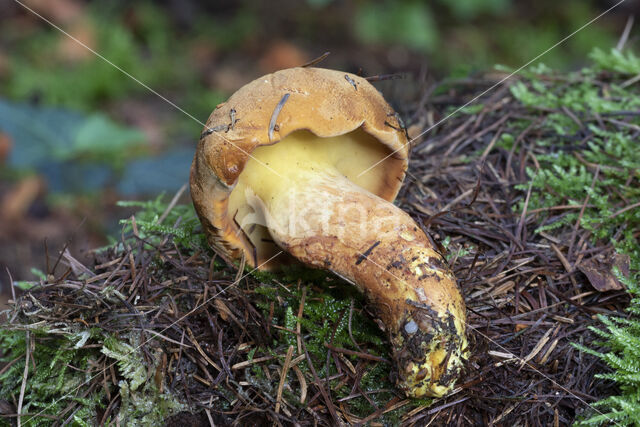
409 23
38 72
74 152
468 9
99 136
150 54
39 134
24 285
38 273
231 32
43 134
153 175
318 3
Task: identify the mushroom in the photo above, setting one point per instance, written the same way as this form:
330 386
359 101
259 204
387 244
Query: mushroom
308 161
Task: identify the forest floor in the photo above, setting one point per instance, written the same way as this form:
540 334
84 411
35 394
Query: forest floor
530 193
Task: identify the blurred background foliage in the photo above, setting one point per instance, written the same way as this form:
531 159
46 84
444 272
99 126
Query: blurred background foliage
76 134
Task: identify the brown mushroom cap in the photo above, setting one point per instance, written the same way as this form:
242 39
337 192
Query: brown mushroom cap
325 103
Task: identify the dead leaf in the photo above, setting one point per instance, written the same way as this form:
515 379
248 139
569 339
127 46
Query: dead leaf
72 16
5 147
17 201
230 77
599 271
60 11
7 408
203 55
416 129
282 54
70 50
224 311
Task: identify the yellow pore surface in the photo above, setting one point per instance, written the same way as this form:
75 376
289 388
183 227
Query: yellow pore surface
274 169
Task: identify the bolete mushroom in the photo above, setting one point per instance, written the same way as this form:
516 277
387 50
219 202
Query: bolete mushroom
286 164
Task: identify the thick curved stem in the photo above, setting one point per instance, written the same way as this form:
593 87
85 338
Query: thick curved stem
327 222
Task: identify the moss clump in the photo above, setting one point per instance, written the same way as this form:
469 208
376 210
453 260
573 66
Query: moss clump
142 404
64 371
180 222
60 363
593 156
328 304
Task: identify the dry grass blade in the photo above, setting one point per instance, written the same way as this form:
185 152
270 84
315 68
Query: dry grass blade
24 376
283 377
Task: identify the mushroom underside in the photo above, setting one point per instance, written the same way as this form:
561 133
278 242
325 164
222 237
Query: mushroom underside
308 196
350 155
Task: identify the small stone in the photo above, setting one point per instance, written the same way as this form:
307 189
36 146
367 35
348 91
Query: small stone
411 327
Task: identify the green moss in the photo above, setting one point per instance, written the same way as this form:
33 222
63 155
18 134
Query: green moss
597 158
56 381
64 368
621 341
567 178
181 222
325 320
141 402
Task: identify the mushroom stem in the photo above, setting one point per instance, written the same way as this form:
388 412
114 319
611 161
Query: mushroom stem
326 221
